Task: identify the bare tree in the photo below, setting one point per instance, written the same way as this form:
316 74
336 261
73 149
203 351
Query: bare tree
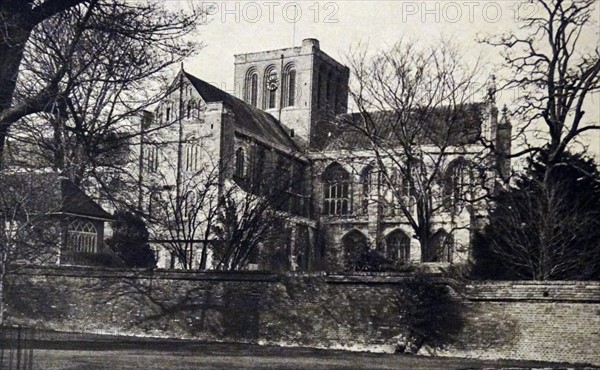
56 52
554 71
245 226
415 109
182 219
539 226
29 232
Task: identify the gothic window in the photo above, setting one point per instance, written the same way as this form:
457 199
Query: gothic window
397 246
189 110
443 247
168 114
390 189
82 236
240 163
191 157
251 87
336 190
270 88
457 182
290 86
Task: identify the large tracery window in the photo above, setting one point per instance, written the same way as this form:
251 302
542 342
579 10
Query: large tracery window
336 190
458 181
251 87
82 236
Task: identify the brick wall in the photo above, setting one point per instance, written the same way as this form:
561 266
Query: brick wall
532 320
524 320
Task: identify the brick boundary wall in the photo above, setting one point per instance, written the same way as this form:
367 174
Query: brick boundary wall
551 321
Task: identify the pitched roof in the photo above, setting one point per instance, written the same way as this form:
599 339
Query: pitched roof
441 126
247 117
46 193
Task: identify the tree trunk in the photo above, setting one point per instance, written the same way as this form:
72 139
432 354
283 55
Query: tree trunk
13 38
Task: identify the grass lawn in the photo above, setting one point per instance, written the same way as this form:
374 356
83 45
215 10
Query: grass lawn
173 354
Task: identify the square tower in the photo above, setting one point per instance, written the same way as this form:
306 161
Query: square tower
299 86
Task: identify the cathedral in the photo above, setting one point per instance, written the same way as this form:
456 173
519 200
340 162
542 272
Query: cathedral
283 129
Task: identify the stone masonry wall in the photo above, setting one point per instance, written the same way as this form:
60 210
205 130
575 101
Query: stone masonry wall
522 320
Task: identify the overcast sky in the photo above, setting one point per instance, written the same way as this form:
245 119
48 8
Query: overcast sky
236 27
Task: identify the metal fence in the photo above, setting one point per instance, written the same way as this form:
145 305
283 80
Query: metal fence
16 347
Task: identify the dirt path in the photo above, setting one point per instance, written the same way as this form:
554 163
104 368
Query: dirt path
168 354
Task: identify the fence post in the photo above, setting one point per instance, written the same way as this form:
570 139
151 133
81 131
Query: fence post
2 344
31 339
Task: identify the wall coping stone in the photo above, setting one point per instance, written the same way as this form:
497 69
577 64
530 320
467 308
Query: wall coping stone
545 291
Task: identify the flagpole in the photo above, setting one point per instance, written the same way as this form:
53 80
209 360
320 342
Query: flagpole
294 31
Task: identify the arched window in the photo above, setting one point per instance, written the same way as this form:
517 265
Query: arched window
397 245
457 182
251 87
443 247
290 86
82 236
189 204
354 244
270 85
336 192
240 163
392 193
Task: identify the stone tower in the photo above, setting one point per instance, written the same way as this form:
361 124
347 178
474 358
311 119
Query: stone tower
299 86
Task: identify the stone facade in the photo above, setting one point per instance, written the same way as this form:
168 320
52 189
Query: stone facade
285 109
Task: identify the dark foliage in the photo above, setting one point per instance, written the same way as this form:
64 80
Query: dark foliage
546 226
371 261
430 313
130 241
